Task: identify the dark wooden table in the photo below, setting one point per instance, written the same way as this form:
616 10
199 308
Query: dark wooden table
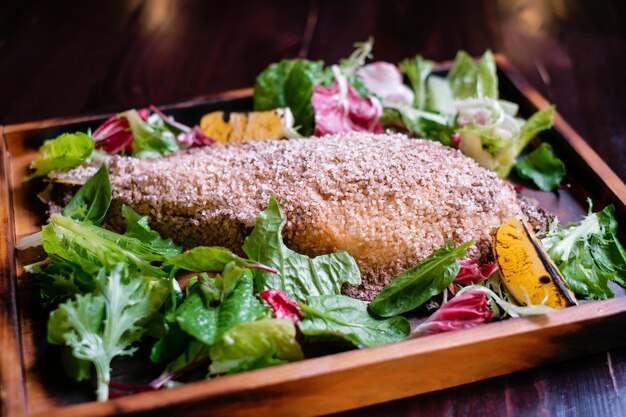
67 58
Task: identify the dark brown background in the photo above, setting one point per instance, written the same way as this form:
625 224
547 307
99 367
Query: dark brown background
62 58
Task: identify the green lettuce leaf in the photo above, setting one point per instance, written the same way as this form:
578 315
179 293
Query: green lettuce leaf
338 316
151 138
421 282
92 247
542 167
254 345
538 122
198 316
59 280
298 275
104 324
208 258
91 202
137 227
64 152
487 77
463 76
289 83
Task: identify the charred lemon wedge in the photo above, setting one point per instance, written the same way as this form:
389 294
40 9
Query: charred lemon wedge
527 271
256 125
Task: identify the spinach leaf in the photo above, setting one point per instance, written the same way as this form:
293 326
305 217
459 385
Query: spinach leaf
254 345
172 343
64 152
289 83
421 282
338 316
298 275
195 354
200 318
542 167
91 202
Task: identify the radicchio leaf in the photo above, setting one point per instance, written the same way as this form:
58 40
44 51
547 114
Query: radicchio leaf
340 108
472 273
468 310
115 135
283 306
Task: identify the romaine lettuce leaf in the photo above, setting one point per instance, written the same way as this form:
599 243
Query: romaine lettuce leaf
463 76
486 77
298 275
92 247
417 70
338 316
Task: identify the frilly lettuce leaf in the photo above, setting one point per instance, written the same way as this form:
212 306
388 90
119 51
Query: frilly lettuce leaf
102 325
64 152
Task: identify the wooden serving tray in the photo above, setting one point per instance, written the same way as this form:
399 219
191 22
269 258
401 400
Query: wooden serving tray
32 382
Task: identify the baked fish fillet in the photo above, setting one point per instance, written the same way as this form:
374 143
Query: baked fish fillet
388 200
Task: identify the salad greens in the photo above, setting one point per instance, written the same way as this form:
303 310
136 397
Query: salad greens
467 112
589 253
298 275
64 152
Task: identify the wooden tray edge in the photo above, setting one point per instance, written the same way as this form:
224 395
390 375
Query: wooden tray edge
12 388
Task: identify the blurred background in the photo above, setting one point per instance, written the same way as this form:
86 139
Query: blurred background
67 57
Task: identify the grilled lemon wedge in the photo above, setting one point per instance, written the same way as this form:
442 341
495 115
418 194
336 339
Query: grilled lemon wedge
256 125
527 271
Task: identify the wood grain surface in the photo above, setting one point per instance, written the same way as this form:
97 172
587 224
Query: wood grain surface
67 58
